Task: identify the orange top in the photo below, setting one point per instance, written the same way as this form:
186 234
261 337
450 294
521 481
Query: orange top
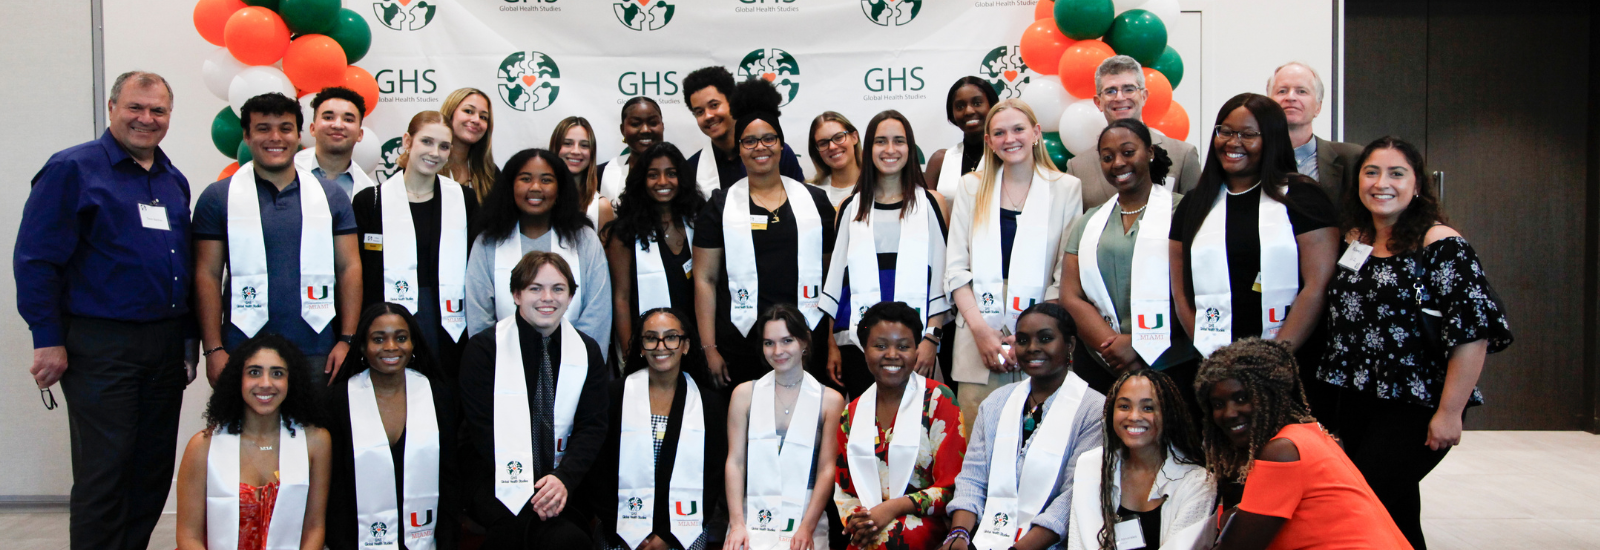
255 514
1327 502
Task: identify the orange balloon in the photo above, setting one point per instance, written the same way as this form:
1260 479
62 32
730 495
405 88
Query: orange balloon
1045 9
360 81
1160 94
256 36
314 62
227 171
1175 123
1077 65
211 16
1042 45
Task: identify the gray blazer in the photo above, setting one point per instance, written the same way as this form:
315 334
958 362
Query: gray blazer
1096 190
1336 166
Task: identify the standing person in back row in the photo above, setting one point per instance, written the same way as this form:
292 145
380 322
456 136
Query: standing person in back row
292 254
102 272
1120 94
709 94
1297 88
336 115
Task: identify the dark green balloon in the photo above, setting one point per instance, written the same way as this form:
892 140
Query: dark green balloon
1084 19
1058 151
243 155
1169 64
352 34
269 4
1136 33
309 16
226 133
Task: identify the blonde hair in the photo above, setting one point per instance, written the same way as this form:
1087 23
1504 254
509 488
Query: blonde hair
588 186
419 120
991 160
481 170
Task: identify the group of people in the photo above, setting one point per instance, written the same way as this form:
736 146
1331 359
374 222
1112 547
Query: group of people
1266 349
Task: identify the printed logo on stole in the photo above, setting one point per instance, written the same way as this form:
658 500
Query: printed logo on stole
452 306
777 67
311 292
514 469
1016 304
1160 322
1212 320
1276 315
249 295
809 292
404 15
891 13
415 522
741 298
400 290
379 529
694 508
1005 71
529 81
643 15
988 299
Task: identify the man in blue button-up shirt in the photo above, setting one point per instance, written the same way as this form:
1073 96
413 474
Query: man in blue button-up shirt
103 279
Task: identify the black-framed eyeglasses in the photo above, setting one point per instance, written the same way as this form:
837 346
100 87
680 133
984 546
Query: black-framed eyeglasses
1227 134
750 142
48 398
837 139
1126 90
672 341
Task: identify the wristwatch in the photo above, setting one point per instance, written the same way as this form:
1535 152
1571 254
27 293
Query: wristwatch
348 338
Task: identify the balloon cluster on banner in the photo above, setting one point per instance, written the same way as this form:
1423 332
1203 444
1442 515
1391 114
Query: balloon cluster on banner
1069 39
293 47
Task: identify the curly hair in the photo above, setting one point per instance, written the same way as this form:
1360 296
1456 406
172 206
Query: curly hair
756 99
637 218
1412 229
1271 380
693 362
421 357
707 77
1160 163
1178 440
498 214
303 404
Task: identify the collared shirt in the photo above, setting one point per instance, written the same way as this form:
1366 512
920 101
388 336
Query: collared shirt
1305 156
83 249
342 180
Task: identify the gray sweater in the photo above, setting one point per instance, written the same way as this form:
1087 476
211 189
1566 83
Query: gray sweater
594 284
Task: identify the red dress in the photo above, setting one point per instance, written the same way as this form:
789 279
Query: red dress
1325 499
933 479
255 514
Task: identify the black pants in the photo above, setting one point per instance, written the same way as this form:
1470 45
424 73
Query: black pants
526 531
1387 441
124 387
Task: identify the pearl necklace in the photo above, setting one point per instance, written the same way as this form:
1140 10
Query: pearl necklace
1127 213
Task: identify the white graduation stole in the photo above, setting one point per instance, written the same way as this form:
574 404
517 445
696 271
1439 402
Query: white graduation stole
306 160
513 422
860 448
615 179
1151 290
705 173
950 172
222 489
911 261
636 479
247 253
400 279
744 283
506 255
1014 500
1213 293
774 505
379 518
651 279
593 212
1024 285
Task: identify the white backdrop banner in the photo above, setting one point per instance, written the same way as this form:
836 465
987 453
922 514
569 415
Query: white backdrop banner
543 60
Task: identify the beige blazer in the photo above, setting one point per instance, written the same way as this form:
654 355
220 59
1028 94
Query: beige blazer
1096 190
1066 204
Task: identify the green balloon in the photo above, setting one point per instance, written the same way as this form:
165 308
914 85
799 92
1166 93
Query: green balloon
1138 34
243 155
269 4
1169 64
352 34
309 16
226 132
1058 151
1084 19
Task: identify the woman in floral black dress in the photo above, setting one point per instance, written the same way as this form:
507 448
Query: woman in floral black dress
1401 400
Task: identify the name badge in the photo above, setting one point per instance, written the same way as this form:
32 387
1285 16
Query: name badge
154 216
688 267
758 222
1355 256
1130 534
1257 287
372 241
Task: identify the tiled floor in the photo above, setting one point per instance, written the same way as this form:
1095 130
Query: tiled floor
1498 490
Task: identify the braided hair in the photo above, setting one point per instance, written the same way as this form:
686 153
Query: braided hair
1271 379
1178 440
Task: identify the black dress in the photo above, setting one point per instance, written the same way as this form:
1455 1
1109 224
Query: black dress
342 529
680 282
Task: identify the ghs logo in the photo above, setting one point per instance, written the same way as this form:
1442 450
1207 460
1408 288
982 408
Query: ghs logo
249 294
389 159
764 517
891 13
380 529
1212 318
743 296
777 67
635 504
514 468
1001 520
644 16
1004 70
529 81
988 299
404 15
401 288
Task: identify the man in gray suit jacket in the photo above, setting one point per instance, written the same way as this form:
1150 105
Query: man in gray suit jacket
1298 89
1120 81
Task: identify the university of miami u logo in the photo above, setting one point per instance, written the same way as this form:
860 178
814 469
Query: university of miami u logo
808 292
789 528
1016 303
427 519
1160 322
311 292
452 306
694 508
1275 315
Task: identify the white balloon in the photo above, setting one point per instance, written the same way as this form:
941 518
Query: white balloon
1167 10
1081 124
218 71
368 150
1119 6
306 140
1047 98
254 81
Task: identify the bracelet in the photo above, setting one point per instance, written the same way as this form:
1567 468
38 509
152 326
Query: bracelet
958 533
712 346
207 353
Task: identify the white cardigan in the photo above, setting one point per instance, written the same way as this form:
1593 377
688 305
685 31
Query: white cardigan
1188 517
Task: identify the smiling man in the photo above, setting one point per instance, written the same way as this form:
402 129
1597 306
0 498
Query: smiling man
709 93
1122 94
289 242
1298 89
336 115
